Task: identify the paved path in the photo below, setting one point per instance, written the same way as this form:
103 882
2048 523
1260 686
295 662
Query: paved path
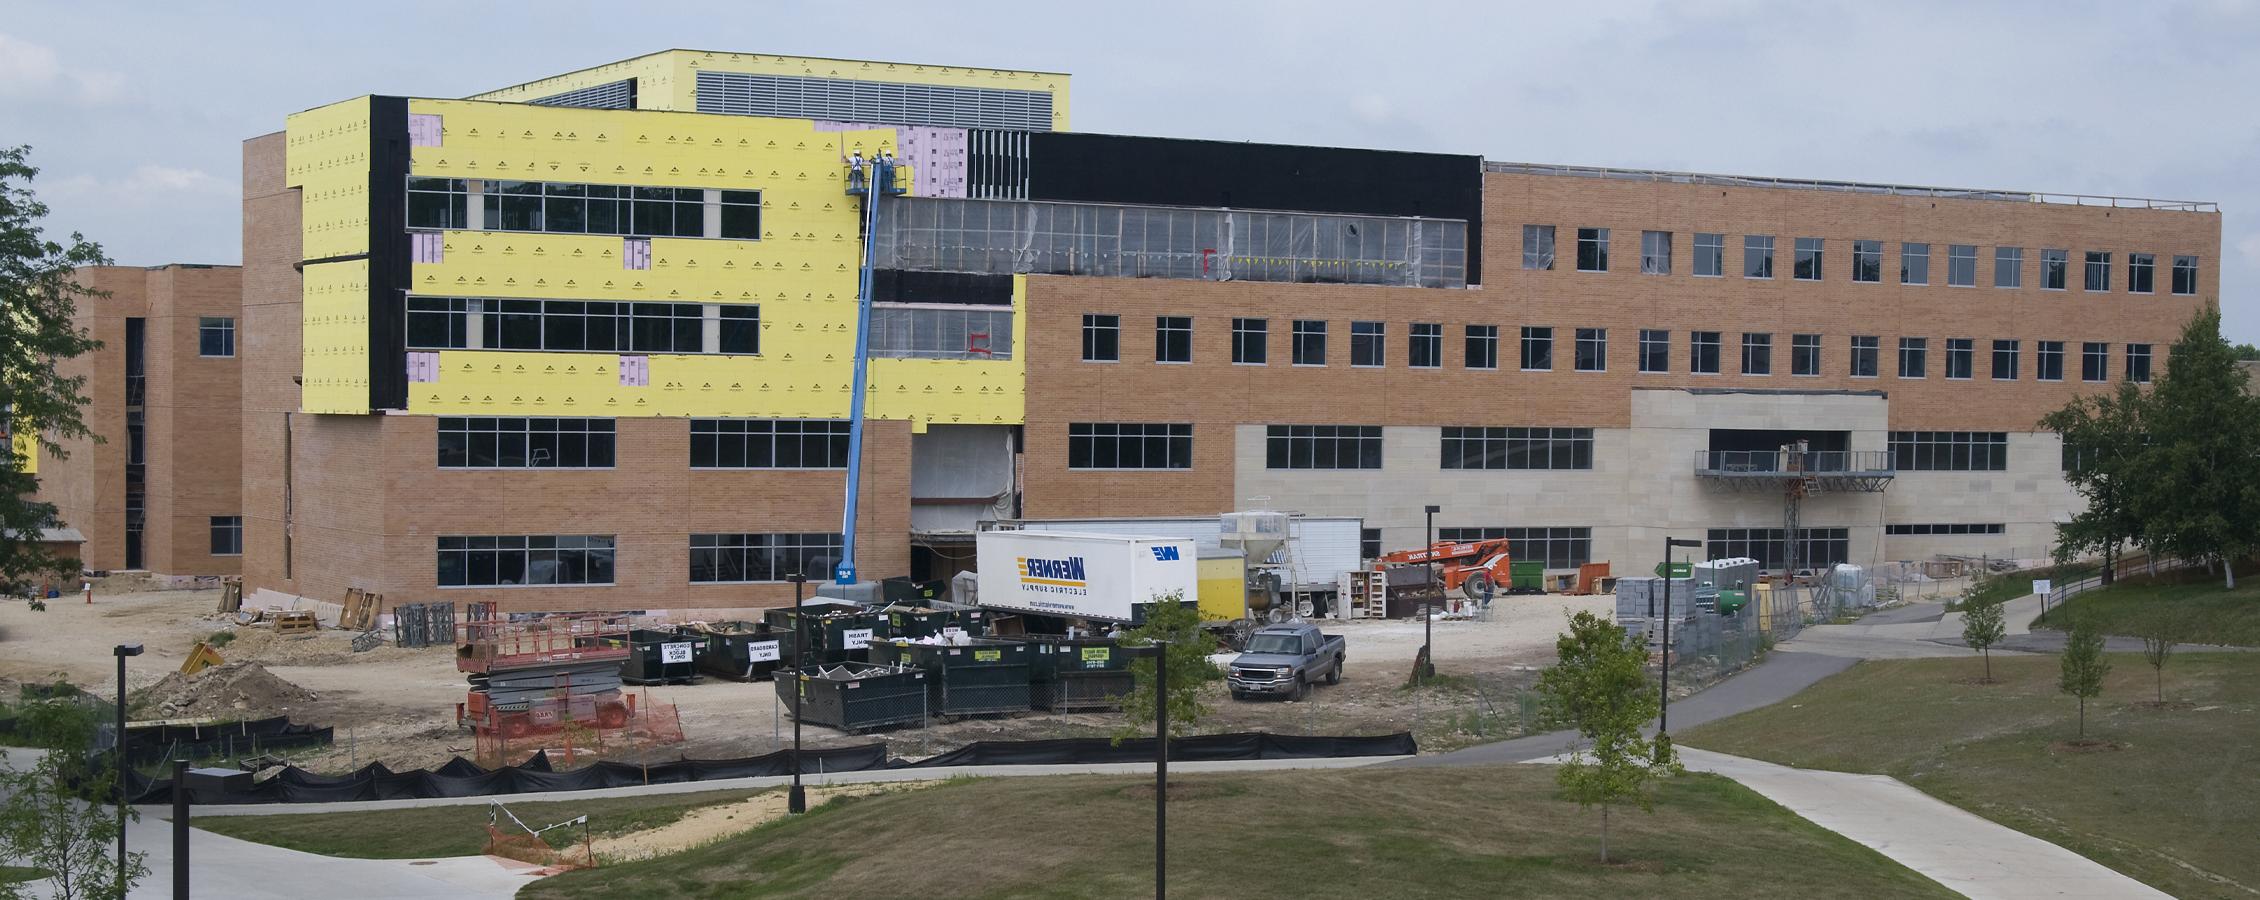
221 866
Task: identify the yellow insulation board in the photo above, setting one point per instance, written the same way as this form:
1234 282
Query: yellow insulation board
327 159
334 359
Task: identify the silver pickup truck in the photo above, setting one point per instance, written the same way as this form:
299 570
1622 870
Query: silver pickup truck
1284 660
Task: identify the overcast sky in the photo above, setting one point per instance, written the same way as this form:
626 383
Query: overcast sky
136 111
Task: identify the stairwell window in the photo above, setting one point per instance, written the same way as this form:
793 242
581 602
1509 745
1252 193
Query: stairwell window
1249 337
1128 446
1592 350
1804 354
2048 361
2008 267
2005 355
1367 350
1537 349
1914 357
1757 256
1865 348
1961 265
2098 271
2185 275
1867 261
1483 346
1703 352
1537 246
1173 339
1102 338
1655 350
2142 273
1710 255
1960 359
1655 253
1309 339
1807 266
1592 249
1914 263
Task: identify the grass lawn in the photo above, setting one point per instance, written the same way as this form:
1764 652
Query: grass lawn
2208 613
2177 806
1473 832
15 874
433 831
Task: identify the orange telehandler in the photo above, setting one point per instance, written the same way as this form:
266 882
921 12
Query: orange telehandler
1470 567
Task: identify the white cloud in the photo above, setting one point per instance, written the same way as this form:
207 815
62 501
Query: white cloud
2249 246
145 182
29 71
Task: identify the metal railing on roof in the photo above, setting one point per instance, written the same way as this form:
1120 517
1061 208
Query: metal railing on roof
1851 187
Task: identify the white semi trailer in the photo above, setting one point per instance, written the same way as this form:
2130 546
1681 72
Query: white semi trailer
1101 577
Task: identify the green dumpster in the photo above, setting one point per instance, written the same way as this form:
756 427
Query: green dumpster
1526 577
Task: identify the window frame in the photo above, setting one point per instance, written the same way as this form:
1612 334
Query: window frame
1537 341
2095 272
1914 350
2095 362
2142 273
777 550
730 444
1251 341
1757 257
1430 334
1538 248
1173 340
1757 353
590 547
1654 346
1805 355
1593 248
1655 252
2007 355
231 527
2184 265
1281 441
1487 338
2056 266
1372 337
1963 350
1175 440
1697 341
1806 250
1102 331
1592 346
221 326
1948 451
1514 449
2048 356
2145 355
2010 260
1911 273
1716 244
462 437
1307 343
1867 259
1961 265
1871 351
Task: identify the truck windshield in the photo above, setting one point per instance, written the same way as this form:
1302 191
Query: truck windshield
1276 643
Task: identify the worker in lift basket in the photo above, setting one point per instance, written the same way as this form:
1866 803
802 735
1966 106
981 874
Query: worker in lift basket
855 171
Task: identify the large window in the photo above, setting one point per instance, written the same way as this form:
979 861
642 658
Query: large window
2185 274
512 560
1309 340
1950 451
926 331
1558 548
1943 529
1710 255
1914 263
1592 249
1426 347
1865 349
2142 273
2055 267
215 336
1249 340
1867 261
1369 544
1102 338
2138 363
525 443
1818 547
1173 339
439 323
769 444
568 208
2098 272
1757 354
1961 362
1807 265
1483 346
732 558
1518 448
1703 352
438 203
2008 267
227 535
1655 350
1592 350
1961 265
2095 361
1537 349
1537 246
2005 360
1804 354
741 330
1757 256
442 323
1368 344
1655 253
1112 445
2048 361
1914 357
1323 447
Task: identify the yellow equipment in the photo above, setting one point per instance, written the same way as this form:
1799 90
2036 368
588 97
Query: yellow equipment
200 658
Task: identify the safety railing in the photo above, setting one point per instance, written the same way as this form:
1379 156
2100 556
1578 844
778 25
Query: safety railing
1775 463
1853 187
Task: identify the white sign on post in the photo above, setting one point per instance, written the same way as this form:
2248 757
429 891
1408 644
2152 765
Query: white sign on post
674 653
857 638
764 651
2042 586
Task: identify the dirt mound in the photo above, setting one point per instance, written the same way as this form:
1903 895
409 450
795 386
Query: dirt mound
244 689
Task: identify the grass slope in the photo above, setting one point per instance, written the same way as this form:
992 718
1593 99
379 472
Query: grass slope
2208 613
2174 807
436 831
1476 832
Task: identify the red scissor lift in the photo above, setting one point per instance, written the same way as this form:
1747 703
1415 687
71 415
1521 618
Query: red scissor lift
533 678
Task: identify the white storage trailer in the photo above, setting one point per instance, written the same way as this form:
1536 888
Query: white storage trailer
1082 576
1318 551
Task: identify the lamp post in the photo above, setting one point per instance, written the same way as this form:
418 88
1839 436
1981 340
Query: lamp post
1663 712
1161 769
1428 616
796 801
180 829
122 651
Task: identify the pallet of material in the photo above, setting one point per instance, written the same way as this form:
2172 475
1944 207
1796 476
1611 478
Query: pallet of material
296 622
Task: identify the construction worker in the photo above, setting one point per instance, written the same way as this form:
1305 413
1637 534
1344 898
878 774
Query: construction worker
855 172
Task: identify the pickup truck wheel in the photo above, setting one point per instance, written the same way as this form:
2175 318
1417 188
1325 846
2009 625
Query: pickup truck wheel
1334 675
1240 695
1302 688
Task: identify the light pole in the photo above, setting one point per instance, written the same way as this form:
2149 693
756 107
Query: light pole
1161 769
796 801
1663 712
1428 616
122 651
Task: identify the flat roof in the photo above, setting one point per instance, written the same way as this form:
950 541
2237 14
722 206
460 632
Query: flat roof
1852 187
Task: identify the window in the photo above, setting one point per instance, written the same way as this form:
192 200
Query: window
1914 357
1173 339
1537 246
571 208
1914 263
438 203
2185 274
1369 543
1816 547
1961 265
1950 451
1483 346
1309 339
1427 348
1365 344
1107 445
741 215
1865 348
769 444
2142 273
525 443
935 331
2008 267
741 329
1960 358
1943 529
2048 361
1655 350
1592 249
1804 354
1558 548
1537 349
1102 338
1249 337
1757 354
2138 363
1867 261
439 323
512 560
573 325
1518 448
2054 266
227 535
1592 350
1807 266
215 336
732 558
2095 361
1703 352
2005 360
1655 253
1757 256
1323 447
1710 255
2098 271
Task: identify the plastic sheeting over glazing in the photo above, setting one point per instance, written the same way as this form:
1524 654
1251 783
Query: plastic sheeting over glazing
1004 236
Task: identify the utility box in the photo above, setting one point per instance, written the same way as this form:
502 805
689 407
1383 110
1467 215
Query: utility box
1101 577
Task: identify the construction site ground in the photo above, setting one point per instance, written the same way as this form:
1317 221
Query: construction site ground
397 706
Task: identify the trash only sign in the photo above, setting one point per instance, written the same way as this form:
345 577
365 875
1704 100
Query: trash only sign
675 653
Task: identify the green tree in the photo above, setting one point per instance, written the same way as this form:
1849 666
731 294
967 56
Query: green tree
1600 685
2160 631
1187 654
2245 352
2084 666
44 822
2104 440
38 404
1981 629
2199 491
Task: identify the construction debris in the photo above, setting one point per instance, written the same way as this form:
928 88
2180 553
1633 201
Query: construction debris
200 657
232 690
